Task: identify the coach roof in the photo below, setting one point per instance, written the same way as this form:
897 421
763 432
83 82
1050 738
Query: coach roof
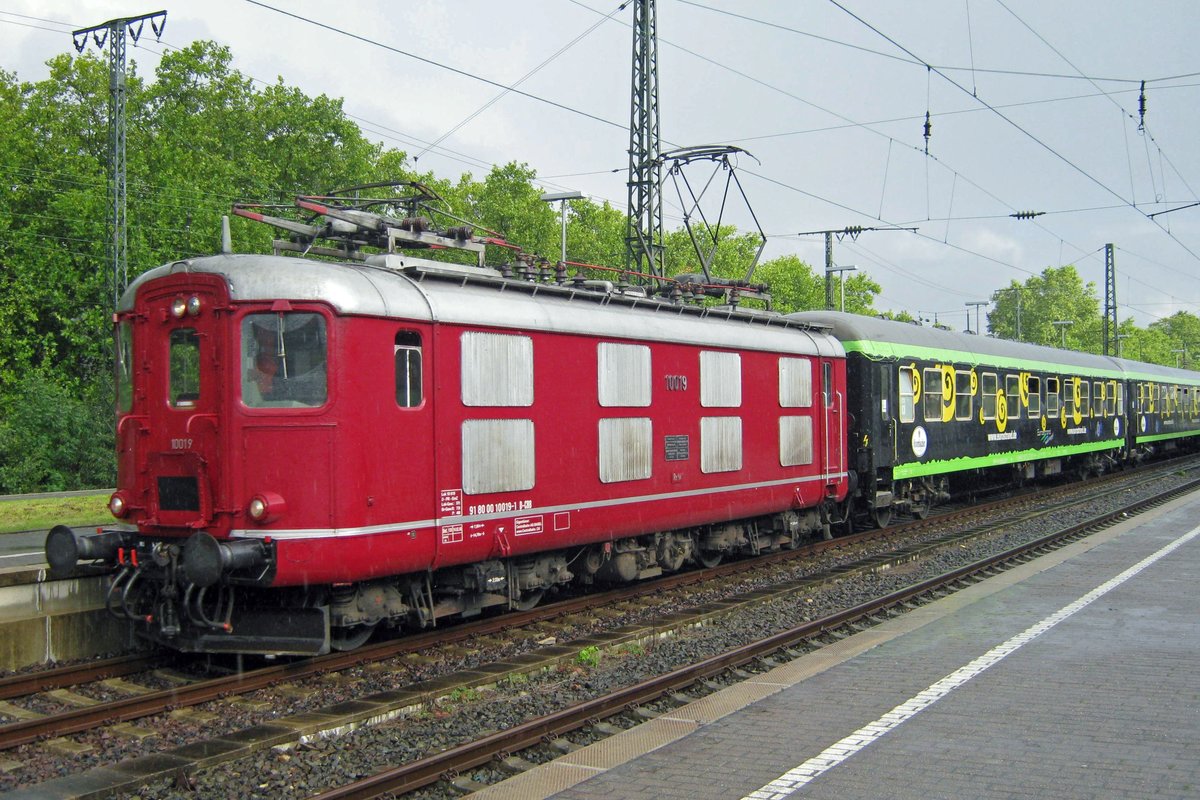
887 339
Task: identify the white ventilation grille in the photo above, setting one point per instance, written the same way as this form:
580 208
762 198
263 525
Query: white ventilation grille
623 375
720 444
497 455
497 369
795 441
626 449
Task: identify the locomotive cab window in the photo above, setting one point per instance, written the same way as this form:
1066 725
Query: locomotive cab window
124 367
408 369
284 360
185 367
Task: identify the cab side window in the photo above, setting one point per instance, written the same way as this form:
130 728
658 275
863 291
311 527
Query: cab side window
408 369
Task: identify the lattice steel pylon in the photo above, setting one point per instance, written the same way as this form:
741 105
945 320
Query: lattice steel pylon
113 33
644 228
1110 301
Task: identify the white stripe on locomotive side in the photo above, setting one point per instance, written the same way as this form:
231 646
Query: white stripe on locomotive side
399 527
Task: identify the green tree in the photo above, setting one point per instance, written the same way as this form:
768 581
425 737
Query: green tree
1057 295
1182 331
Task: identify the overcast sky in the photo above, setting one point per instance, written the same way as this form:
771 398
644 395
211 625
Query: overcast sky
1034 107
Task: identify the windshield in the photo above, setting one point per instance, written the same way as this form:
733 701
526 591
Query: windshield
283 360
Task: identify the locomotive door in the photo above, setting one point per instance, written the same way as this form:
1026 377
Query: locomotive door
833 404
179 338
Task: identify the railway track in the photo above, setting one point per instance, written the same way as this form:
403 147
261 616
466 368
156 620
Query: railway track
779 647
25 732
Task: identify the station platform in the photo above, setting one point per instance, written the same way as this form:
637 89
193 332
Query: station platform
1074 676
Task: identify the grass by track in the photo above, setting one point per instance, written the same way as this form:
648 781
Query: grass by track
42 513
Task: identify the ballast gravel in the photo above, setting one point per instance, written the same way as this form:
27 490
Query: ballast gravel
470 714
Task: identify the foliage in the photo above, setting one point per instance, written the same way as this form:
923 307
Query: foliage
1060 295
198 137
588 657
1057 295
56 434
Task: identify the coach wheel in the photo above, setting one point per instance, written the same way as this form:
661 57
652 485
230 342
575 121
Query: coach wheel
709 558
350 638
882 516
920 511
528 599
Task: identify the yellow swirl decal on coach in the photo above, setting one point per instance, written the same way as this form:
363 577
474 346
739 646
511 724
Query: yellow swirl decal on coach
1001 411
1025 389
947 392
1077 406
916 380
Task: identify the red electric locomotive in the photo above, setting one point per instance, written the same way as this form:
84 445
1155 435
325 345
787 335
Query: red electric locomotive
308 448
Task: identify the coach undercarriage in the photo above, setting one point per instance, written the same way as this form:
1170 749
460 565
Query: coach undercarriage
234 615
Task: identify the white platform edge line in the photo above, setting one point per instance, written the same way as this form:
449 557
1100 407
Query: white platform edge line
797 777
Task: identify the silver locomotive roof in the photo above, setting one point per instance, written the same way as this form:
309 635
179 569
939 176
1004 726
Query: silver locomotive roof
416 289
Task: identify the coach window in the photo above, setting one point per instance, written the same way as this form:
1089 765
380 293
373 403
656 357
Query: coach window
1012 393
964 398
932 405
1100 401
1110 398
1069 396
1052 399
908 410
1034 384
1120 396
283 360
1085 398
990 385
185 367
408 369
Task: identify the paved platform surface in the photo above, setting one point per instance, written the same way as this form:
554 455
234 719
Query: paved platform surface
22 549
1076 676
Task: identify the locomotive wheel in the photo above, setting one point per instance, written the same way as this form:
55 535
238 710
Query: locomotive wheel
351 638
528 600
709 558
882 516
